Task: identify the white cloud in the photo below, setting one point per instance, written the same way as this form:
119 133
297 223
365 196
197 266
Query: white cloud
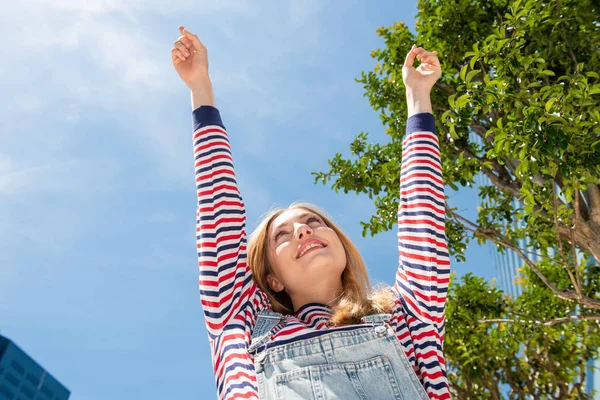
98 74
69 56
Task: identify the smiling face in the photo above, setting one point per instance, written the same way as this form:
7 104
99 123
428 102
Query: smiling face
307 257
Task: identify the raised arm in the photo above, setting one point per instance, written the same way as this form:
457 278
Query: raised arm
225 278
424 267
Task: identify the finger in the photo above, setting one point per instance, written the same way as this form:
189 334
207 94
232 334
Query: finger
430 60
182 48
187 42
193 38
177 53
419 50
424 53
428 67
410 57
176 60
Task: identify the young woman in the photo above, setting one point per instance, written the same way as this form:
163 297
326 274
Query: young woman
292 315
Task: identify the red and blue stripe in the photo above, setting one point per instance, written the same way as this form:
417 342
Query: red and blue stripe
231 300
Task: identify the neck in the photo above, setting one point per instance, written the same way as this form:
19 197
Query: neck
329 295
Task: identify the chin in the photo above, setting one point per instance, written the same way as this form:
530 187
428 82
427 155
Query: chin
324 259
327 264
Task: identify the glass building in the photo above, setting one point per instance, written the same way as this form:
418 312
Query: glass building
21 378
508 263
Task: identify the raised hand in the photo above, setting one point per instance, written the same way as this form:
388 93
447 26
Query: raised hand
190 58
423 77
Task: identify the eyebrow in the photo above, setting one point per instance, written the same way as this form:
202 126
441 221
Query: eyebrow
302 216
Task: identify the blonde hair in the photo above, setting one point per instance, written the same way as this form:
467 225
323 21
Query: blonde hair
358 298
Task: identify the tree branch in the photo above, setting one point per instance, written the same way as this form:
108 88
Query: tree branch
592 195
511 187
482 131
500 239
573 247
583 369
461 392
445 88
548 322
559 241
508 185
497 237
492 385
563 34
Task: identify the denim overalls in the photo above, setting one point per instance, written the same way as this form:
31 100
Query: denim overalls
365 363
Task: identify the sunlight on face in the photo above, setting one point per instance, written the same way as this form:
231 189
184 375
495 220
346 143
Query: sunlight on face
307 256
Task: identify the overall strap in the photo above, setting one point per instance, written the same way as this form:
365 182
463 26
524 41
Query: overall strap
266 320
376 319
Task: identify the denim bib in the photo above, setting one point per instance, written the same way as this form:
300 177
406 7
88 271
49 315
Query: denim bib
365 363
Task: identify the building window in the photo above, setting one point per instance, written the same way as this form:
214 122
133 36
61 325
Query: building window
27 392
17 367
34 380
12 379
47 391
7 392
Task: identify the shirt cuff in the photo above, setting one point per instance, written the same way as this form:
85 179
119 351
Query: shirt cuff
421 122
206 115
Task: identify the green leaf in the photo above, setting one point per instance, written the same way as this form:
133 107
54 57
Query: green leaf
549 104
463 71
452 131
462 100
471 74
451 100
473 61
501 43
453 186
592 74
568 193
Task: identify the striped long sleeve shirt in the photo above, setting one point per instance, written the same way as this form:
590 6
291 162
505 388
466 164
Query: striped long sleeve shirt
231 299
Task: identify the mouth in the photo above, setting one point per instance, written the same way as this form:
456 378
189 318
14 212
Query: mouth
309 246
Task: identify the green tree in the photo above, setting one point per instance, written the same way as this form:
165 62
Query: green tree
530 347
517 102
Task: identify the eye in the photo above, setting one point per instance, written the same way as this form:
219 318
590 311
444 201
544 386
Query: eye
310 219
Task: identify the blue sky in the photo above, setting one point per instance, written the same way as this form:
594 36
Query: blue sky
98 270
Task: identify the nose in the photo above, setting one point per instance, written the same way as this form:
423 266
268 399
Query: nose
303 230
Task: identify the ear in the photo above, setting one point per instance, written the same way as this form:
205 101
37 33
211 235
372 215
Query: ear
274 283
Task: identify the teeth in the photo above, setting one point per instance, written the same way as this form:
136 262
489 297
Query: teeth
310 246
